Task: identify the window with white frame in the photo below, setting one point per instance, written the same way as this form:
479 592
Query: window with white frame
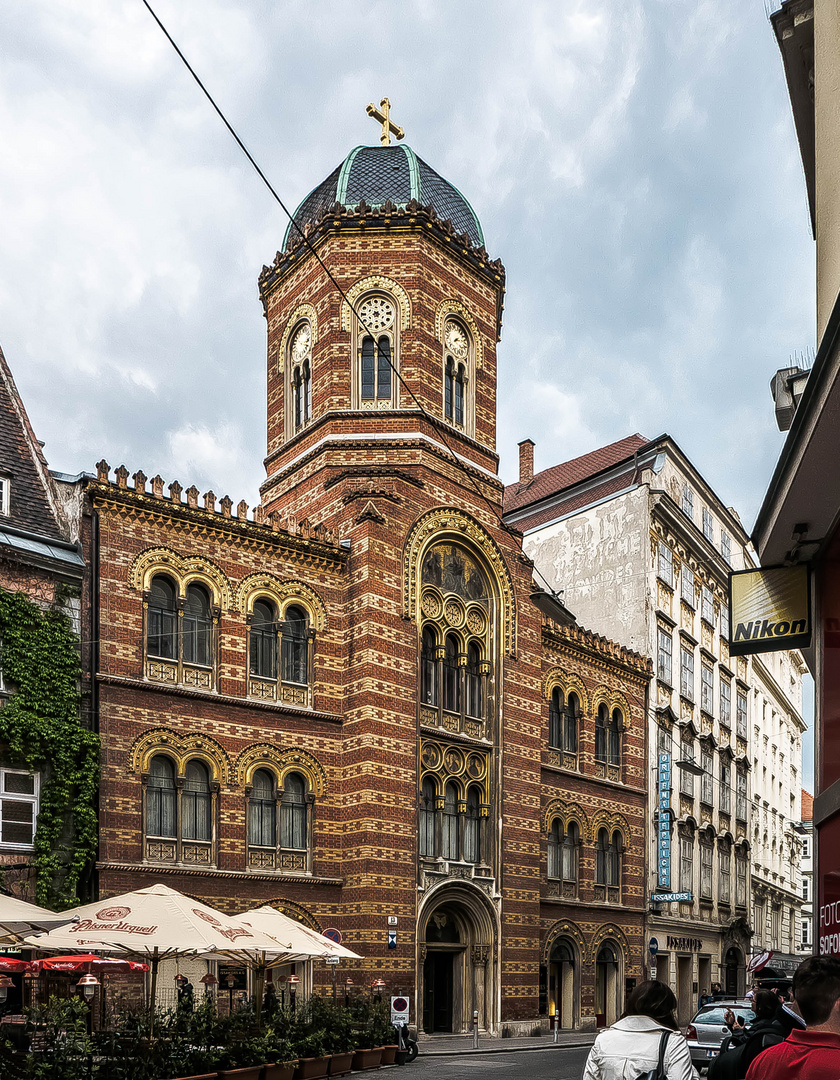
707 688
725 786
707 781
686 864
806 933
724 622
775 926
740 880
18 807
666 564
741 715
741 795
707 609
5 495
806 889
686 775
705 871
806 847
663 663
708 525
726 703
688 501
726 546
687 585
687 672
725 876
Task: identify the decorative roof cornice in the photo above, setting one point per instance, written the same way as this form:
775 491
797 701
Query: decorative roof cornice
210 872
392 219
301 540
598 647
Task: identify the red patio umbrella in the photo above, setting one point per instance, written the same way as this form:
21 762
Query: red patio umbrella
85 964
9 965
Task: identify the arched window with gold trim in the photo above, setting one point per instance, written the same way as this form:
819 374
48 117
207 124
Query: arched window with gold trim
555 849
472 826
602 846
474 682
298 364
262 811
293 647
195 803
555 719
571 716
451 676
293 823
571 844
263 644
198 627
377 334
429 674
449 823
458 364
428 818
162 637
161 799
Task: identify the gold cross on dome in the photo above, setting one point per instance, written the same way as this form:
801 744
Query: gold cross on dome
388 127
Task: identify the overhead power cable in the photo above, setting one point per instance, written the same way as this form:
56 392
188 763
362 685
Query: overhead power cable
433 420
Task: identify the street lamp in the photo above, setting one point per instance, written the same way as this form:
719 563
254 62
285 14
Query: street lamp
88 984
348 982
281 979
210 982
378 987
293 980
5 983
231 982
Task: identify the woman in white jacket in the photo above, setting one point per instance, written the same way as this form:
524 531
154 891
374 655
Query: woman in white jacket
631 1046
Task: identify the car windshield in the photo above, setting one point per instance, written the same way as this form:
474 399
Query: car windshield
717 1015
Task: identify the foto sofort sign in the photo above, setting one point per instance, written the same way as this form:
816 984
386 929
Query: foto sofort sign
769 609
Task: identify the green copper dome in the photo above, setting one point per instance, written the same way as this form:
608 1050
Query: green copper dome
375 174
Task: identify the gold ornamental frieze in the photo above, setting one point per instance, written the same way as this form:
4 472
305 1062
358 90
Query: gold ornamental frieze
452 762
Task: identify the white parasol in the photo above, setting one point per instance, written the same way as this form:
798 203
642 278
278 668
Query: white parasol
19 919
155 923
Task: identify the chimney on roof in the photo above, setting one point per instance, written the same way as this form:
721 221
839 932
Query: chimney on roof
526 462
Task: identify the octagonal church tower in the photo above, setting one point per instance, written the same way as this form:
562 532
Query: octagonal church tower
382 427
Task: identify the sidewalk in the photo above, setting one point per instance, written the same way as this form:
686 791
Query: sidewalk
445 1045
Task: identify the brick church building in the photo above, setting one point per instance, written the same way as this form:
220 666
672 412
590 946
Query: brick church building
353 702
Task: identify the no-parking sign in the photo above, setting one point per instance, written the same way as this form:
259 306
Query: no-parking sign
399 1010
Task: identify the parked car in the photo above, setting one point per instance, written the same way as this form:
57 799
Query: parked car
708 1029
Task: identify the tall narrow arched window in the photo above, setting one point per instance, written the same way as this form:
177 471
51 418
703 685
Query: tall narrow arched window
264 640
298 392
294 647
472 828
162 639
195 803
161 795
601 721
614 738
293 812
449 388
475 697
555 717
307 392
459 395
383 374
429 689
299 386
570 724
368 369
262 811
571 844
555 849
428 793
451 680
198 627
614 860
449 824
602 845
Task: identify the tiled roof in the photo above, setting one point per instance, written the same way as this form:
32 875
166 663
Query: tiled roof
807 806
22 461
550 481
559 508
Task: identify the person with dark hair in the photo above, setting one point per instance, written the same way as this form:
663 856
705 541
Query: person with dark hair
746 1043
646 1033
813 1054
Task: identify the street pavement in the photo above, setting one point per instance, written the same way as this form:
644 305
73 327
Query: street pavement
549 1063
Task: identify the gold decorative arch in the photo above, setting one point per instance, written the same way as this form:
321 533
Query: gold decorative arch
568 683
372 284
566 929
283 593
445 523
281 762
607 932
603 819
456 308
183 569
617 700
567 812
301 312
182 748
295 911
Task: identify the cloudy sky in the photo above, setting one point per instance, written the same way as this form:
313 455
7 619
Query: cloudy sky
633 163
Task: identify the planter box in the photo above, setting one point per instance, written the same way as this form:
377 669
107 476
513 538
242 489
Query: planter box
312 1068
341 1064
203 1076
250 1072
367 1059
281 1070
389 1054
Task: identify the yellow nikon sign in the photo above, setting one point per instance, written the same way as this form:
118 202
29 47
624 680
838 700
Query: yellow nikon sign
770 609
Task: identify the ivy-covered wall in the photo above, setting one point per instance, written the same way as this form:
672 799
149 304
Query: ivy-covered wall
41 729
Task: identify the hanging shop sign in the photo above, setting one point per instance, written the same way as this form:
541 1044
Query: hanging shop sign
663 875
769 609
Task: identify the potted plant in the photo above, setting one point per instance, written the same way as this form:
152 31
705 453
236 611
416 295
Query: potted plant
313 1059
382 1032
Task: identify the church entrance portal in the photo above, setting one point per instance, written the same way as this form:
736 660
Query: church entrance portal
561 989
606 985
457 962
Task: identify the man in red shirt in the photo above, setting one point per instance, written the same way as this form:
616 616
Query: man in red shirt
813 1054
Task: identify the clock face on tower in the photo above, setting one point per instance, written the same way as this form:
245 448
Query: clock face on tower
456 341
301 343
